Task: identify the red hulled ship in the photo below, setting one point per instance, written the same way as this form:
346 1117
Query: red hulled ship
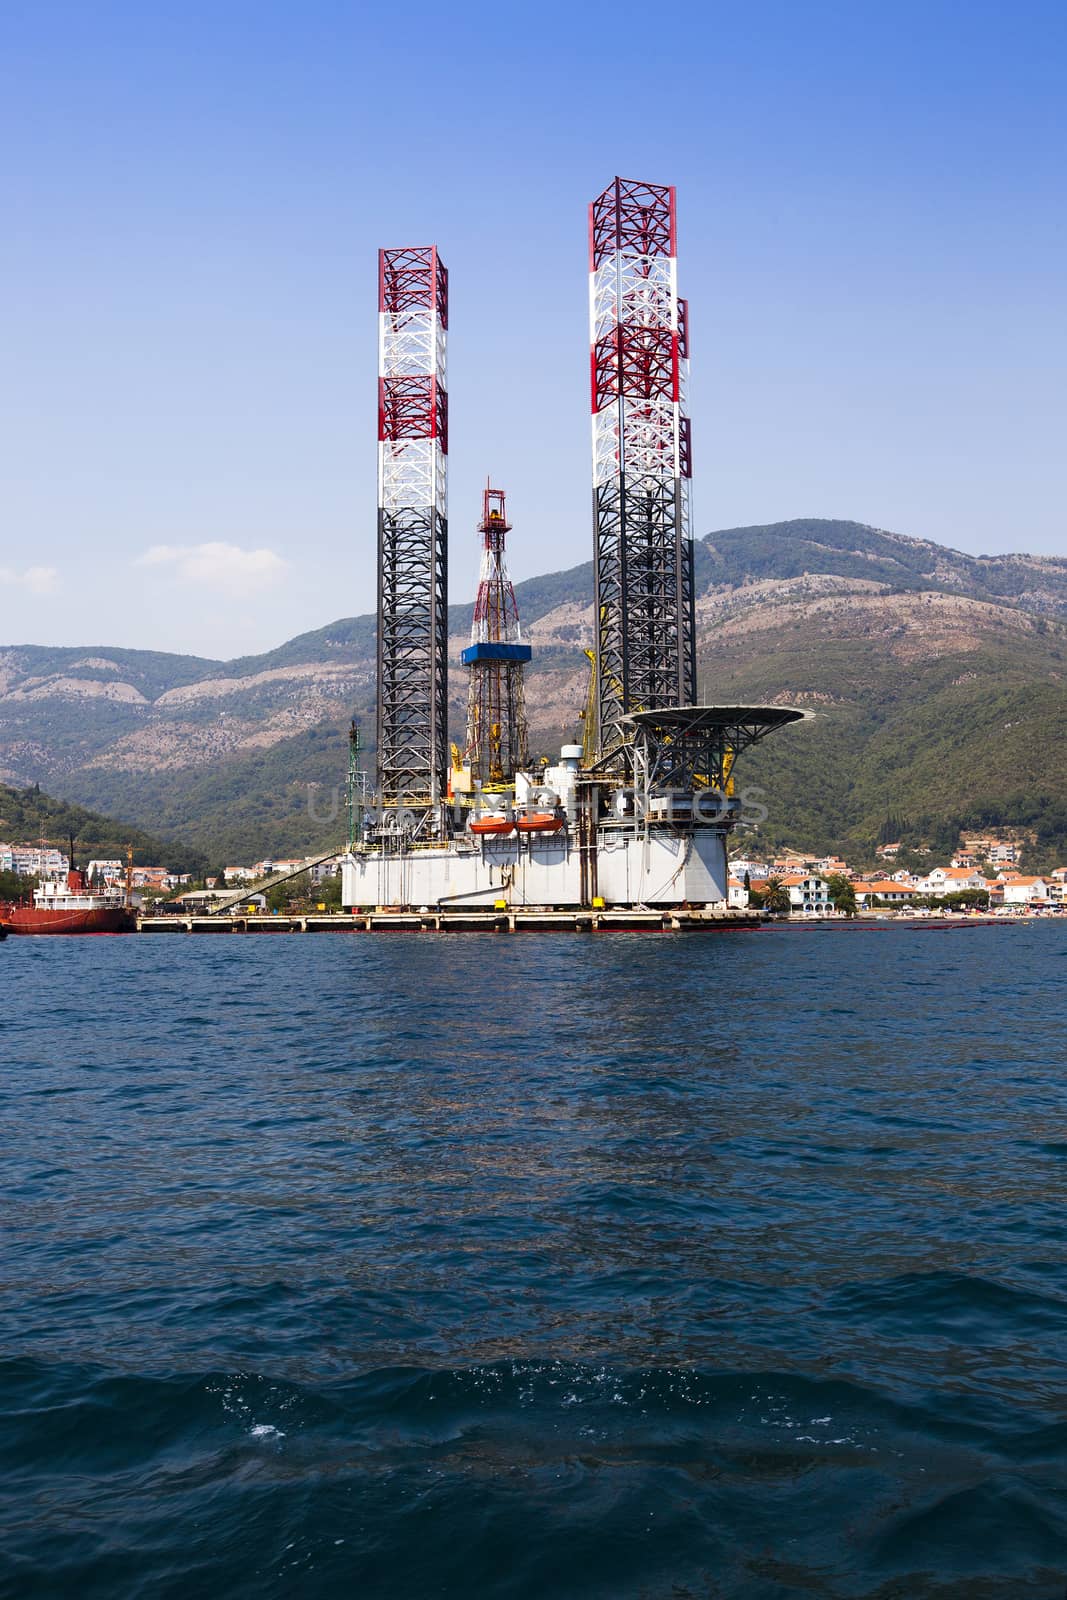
67 904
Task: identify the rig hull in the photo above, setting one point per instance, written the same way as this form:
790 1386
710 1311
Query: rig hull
665 868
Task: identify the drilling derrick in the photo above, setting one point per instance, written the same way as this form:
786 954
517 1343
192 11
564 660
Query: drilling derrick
412 532
643 551
496 704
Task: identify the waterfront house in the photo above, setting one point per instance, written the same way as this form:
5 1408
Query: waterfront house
1024 891
736 894
808 894
952 880
887 891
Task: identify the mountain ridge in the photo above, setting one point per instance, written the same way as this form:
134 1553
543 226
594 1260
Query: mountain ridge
533 594
857 622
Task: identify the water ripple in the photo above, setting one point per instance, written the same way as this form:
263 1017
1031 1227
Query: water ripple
523 1268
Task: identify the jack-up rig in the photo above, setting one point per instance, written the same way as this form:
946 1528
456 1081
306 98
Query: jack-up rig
639 814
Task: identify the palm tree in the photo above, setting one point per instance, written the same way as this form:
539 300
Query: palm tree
775 895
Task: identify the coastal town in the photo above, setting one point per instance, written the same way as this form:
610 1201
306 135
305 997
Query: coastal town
985 879
983 875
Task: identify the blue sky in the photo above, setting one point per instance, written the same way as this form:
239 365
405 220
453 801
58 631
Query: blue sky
872 240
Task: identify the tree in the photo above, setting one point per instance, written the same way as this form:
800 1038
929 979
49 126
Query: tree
966 899
12 887
328 892
293 892
775 895
842 894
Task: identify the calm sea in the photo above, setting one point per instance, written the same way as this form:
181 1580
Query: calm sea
541 1266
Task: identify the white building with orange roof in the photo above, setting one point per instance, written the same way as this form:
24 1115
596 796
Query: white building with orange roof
808 893
832 867
886 890
952 880
1025 891
149 878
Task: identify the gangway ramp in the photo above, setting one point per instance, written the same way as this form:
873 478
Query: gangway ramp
269 883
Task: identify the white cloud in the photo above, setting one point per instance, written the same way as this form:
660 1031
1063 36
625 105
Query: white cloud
38 580
221 566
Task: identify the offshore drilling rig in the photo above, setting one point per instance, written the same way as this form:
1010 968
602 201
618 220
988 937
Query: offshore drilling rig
640 814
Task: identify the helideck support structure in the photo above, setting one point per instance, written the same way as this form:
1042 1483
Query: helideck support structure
496 702
412 723
643 552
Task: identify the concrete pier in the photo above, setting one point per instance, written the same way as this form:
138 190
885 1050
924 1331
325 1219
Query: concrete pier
515 920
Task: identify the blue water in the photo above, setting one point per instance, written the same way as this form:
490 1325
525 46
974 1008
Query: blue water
537 1266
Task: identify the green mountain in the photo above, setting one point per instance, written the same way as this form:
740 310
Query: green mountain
936 679
936 716
28 815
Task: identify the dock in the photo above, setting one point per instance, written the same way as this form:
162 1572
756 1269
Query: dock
487 920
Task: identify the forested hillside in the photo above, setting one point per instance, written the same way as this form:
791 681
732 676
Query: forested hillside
937 680
28 816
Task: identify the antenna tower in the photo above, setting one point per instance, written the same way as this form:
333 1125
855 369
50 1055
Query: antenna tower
496 701
643 551
412 530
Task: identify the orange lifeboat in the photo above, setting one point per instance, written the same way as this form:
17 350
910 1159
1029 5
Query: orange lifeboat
539 822
494 823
